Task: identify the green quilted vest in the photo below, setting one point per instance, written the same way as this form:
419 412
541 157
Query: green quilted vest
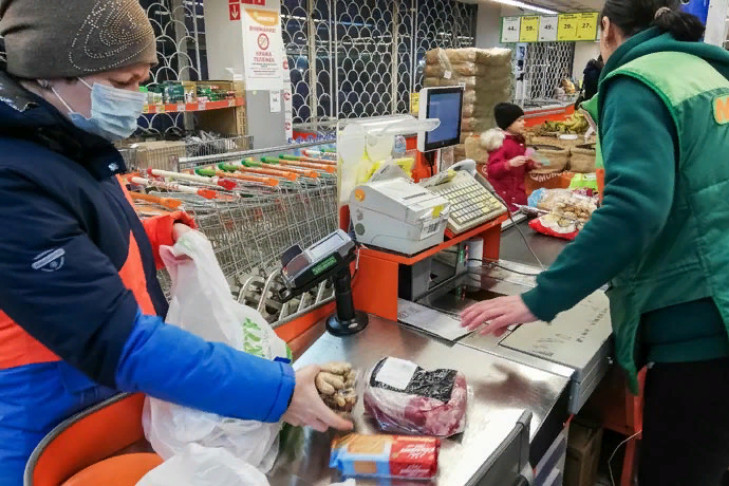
589 107
690 258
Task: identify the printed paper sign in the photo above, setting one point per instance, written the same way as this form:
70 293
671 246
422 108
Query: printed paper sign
567 30
587 27
548 29
275 101
529 31
234 11
510 30
263 49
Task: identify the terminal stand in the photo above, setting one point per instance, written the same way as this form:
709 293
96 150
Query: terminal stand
346 320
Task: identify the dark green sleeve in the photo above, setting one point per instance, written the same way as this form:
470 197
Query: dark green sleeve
637 138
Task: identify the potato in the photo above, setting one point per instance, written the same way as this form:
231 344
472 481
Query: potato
336 385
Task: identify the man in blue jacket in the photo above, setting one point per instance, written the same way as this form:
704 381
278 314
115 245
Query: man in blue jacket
80 305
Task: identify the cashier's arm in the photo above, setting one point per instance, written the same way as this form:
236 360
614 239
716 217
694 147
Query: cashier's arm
639 191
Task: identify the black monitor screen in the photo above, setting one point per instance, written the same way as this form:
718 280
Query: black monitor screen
446 106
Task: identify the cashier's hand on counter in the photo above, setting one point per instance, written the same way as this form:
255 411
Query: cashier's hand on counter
496 315
307 408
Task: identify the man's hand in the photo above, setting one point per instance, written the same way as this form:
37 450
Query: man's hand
307 408
496 315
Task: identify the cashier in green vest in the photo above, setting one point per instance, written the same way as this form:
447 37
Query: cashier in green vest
661 237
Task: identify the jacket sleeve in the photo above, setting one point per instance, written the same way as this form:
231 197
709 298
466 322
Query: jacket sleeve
498 166
60 288
159 231
639 189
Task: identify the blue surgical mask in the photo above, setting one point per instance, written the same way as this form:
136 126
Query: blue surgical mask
114 111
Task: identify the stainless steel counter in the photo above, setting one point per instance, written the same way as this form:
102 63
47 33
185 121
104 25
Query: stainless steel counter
504 381
513 249
501 391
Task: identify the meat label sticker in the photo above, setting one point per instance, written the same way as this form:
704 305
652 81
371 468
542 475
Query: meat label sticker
396 373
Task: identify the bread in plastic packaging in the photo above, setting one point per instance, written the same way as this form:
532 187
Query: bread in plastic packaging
385 456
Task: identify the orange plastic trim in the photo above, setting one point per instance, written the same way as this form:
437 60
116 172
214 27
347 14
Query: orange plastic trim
299 326
125 470
376 291
87 440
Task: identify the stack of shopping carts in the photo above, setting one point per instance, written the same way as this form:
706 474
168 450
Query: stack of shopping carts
252 208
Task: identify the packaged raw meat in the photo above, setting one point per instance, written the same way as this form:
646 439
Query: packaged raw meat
385 456
404 398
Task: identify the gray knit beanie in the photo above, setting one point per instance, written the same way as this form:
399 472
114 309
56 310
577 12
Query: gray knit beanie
47 39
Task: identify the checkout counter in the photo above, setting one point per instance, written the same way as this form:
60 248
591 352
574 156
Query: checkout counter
524 386
415 243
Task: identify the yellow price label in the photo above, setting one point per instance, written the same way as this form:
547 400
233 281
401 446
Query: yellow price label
414 103
529 31
587 27
567 27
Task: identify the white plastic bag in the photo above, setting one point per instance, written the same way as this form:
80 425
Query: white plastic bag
203 305
203 466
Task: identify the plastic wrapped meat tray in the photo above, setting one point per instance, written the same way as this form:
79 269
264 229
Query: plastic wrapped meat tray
404 398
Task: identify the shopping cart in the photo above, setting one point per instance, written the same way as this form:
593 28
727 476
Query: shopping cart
251 218
141 156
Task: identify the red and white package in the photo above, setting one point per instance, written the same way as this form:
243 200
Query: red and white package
404 398
567 231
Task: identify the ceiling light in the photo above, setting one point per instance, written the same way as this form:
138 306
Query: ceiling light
527 6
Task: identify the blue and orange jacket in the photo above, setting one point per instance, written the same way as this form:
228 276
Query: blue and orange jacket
80 304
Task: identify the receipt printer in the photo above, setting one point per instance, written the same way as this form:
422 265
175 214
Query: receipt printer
398 215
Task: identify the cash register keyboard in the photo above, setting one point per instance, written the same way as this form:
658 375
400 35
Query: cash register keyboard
471 203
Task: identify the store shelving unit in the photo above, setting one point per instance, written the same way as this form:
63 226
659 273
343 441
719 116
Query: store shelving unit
195 107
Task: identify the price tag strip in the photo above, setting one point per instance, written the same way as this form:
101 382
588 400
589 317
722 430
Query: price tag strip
587 27
548 29
567 29
510 30
529 31
563 28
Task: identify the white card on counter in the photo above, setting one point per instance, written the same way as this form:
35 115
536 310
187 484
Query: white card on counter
396 373
430 320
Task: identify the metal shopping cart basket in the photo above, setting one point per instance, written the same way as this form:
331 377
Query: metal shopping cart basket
252 224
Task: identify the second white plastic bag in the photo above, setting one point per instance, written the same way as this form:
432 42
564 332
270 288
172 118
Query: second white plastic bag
203 305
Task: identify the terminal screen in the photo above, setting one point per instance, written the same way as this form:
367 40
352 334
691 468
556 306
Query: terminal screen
445 106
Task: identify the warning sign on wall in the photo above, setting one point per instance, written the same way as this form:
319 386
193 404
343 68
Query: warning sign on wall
262 49
234 11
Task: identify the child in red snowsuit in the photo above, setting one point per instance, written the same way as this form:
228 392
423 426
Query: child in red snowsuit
508 162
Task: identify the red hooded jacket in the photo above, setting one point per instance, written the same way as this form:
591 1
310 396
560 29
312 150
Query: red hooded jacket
507 180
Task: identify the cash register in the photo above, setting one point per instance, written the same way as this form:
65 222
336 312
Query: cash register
398 215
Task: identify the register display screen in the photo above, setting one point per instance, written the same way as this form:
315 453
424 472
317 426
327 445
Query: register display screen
446 106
